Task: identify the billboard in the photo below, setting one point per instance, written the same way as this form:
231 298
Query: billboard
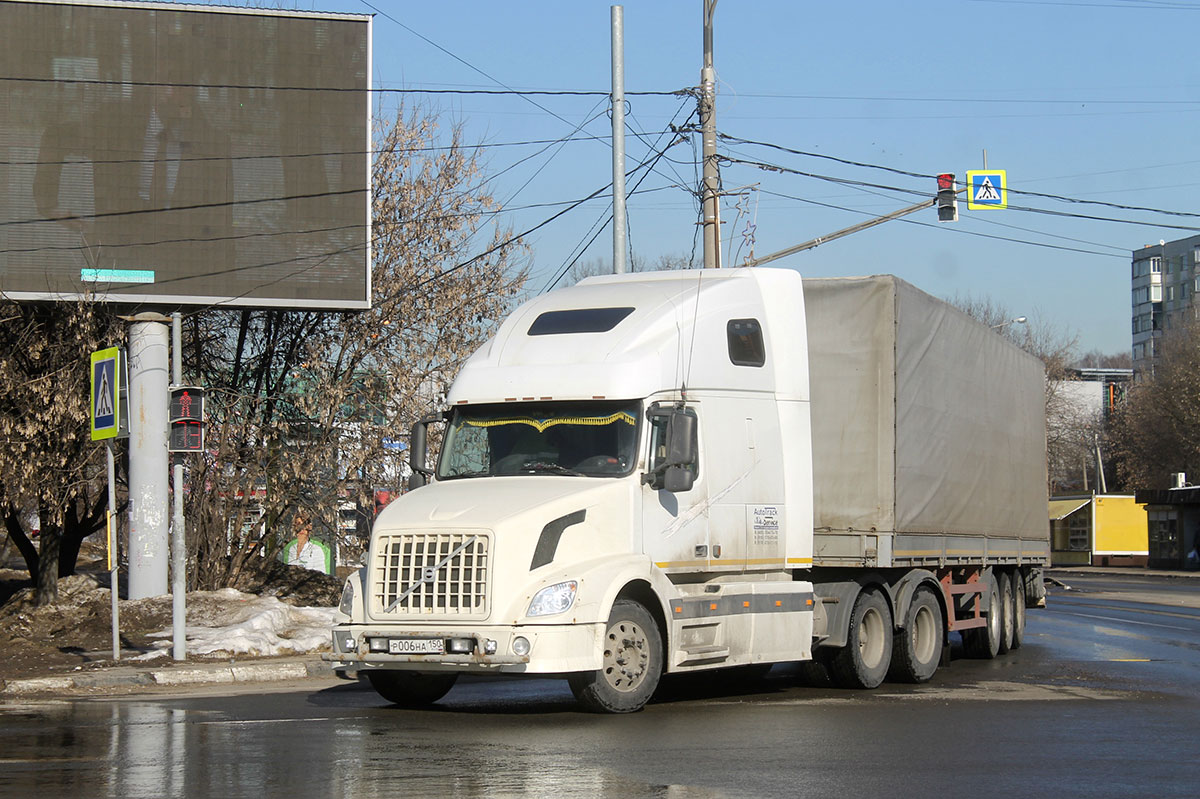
182 154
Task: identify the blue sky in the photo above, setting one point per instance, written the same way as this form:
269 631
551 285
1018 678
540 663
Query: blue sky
1093 100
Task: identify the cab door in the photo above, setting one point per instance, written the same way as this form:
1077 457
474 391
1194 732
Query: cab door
675 524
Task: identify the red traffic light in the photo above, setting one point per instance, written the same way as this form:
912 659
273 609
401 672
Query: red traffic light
945 181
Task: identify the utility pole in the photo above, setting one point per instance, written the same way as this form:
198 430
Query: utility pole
708 133
618 129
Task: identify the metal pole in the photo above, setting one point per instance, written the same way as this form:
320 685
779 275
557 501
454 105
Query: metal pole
114 561
148 398
618 129
708 133
178 548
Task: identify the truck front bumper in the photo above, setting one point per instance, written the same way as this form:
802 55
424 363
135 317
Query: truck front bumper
521 649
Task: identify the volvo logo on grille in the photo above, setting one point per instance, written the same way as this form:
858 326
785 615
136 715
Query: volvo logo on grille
429 575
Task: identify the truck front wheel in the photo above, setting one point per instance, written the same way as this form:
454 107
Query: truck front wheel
863 662
412 689
633 663
917 649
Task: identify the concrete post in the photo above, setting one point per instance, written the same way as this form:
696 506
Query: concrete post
148 500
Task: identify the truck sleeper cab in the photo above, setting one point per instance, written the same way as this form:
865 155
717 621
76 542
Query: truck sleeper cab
625 487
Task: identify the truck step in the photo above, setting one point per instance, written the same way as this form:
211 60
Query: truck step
694 656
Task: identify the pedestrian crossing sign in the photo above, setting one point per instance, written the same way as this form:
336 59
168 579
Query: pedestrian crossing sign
986 188
106 394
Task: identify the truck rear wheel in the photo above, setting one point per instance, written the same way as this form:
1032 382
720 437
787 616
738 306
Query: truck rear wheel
1006 612
984 642
412 689
863 662
633 663
917 648
1018 614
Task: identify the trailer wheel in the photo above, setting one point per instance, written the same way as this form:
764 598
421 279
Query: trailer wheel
1018 614
1006 612
984 642
917 648
863 662
633 663
412 689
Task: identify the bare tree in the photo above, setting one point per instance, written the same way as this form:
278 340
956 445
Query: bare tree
637 263
1157 426
309 408
1095 359
50 470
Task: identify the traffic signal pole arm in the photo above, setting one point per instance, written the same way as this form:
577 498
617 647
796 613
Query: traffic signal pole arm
947 212
808 245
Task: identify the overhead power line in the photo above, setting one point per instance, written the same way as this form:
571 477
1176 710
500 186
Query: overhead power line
906 173
849 182
951 228
505 92
282 156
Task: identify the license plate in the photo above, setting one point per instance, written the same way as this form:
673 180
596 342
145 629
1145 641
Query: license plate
416 646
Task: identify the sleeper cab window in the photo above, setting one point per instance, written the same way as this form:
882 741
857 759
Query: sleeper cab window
745 342
578 320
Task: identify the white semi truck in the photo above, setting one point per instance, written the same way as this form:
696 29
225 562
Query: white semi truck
682 471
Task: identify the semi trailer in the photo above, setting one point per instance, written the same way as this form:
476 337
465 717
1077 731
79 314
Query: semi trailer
676 472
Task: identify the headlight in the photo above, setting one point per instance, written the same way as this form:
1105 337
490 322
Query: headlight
553 599
346 606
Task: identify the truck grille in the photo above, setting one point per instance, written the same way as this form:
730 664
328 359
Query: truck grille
431 574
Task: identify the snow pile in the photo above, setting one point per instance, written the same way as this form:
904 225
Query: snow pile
229 622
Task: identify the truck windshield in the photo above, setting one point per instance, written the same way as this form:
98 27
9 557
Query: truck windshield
589 439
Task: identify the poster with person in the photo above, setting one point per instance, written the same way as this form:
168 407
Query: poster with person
306 551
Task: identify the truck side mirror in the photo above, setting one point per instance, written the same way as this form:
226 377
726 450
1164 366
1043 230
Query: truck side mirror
678 479
681 452
681 438
418 452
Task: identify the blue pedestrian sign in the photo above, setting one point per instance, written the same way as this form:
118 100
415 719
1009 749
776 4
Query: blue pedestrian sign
106 394
986 188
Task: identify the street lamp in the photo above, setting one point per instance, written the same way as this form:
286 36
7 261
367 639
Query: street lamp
1020 320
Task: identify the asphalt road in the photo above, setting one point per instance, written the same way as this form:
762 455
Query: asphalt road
1102 701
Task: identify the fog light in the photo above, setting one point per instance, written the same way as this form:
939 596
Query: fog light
460 646
348 645
521 646
377 644
489 647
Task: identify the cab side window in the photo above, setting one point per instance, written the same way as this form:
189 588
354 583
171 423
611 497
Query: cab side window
745 340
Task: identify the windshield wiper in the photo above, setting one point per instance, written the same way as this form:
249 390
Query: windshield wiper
554 468
457 475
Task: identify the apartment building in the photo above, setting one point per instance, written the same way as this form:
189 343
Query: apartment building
1166 278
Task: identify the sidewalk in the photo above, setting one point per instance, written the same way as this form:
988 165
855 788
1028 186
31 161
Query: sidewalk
135 678
1122 571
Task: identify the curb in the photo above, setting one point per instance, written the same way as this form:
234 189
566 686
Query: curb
1122 571
171 677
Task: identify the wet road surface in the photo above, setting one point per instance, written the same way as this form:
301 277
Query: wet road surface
1102 701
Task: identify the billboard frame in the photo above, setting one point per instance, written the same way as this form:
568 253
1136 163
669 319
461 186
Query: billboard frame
116 292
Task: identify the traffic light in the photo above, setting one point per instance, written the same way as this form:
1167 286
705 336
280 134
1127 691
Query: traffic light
186 417
947 198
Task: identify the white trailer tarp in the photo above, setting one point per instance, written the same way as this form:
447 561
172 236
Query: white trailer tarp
924 421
